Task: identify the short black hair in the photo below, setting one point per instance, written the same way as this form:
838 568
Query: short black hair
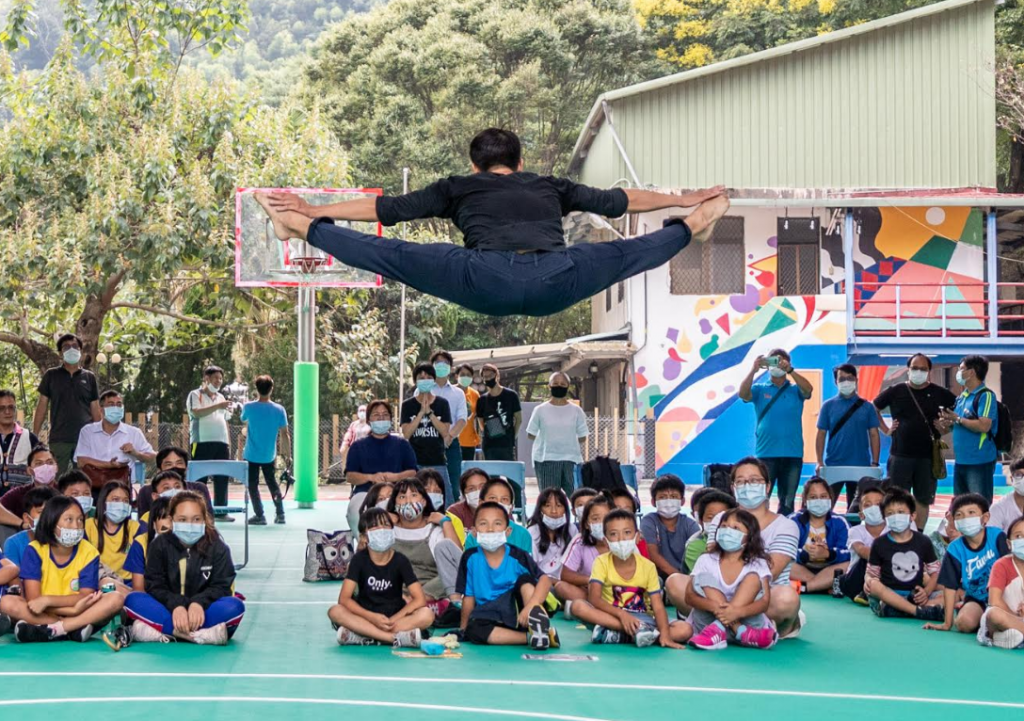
164 475
427 368
38 496
65 338
1017 465
71 478
668 482
495 147
430 474
46 527
585 534
373 517
712 495
969 499
781 353
440 353
180 452
1013 525
919 355
109 393
978 364
612 493
898 495
159 509
210 370
404 486
372 405
580 493
469 473
264 384
619 515
499 481
465 367
36 450
847 368
493 506
7 393
373 495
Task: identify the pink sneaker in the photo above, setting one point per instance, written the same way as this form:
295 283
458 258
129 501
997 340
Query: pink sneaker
759 637
712 638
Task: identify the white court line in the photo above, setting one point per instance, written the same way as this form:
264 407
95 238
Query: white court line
328 602
274 568
509 682
283 699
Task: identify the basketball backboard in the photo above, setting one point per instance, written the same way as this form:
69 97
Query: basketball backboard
261 260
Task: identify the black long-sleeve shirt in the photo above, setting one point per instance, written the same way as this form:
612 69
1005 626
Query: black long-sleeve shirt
207 577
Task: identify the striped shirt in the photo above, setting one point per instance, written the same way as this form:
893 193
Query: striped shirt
781 537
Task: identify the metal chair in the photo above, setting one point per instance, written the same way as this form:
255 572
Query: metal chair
515 471
239 471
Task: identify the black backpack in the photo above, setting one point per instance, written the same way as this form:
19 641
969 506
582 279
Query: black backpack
718 475
602 473
1004 428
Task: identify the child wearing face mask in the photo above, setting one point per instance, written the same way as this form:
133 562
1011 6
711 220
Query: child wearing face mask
579 499
189 582
112 532
968 563
1002 625
499 490
428 540
551 530
471 483
60 581
1010 507
578 563
502 588
903 572
667 529
706 503
824 553
166 485
75 484
42 469
159 522
860 539
433 483
371 608
730 588
14 548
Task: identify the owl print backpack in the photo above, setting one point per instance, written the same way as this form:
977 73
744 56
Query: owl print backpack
327 555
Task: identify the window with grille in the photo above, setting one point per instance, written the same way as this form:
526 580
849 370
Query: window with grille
715 267
799 256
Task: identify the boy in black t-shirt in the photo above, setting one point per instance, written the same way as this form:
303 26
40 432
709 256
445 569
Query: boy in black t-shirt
426 419
903 571
371 609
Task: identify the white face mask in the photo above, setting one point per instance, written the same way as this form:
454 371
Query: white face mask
383 505
597 531
437 499
847 388
873 516
473 499
918 377
491 541
170 493
72 356
622 550
380 539
668 507
776 372
70 537
898 522
1018 484
553 522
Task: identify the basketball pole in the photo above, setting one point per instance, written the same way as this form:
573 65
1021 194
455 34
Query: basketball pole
401 334
307 401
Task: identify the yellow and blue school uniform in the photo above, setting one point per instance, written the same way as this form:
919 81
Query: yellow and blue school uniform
82 570
135 562
112 556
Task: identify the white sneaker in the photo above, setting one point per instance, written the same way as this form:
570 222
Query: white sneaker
794 632
408 639
567 611
213 636
646 635
144 633
1010 639
351 638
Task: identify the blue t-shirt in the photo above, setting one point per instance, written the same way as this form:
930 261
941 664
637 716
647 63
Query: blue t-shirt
265 420
849 447
519 538
973 448
14 549
477 579
372 455
779 434
969 569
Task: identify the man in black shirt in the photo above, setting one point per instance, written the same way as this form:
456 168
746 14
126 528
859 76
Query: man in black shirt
913 431
516 218
72 396
425 420
499 415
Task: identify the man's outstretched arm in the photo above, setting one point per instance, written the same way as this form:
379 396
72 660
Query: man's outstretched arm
641 201
364 209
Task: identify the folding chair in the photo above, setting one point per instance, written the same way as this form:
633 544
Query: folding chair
515 471
239 471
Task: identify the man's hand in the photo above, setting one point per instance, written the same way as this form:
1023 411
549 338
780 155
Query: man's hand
114 463
699 196
758 364
290 201
785 365
128 449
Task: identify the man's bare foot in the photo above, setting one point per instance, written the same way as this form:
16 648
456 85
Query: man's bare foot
287 224
702 220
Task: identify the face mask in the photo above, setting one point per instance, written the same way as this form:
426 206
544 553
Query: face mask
597 531
729 539
425 385
189 533
85 502
380 539
970 526
380 427
437 499
1018 485
383 505
465 381
443 370
508 508
113 414
361 415
410 511
491 383
559 391
622 550
70 537
213 388
552 522
819 507
873 516
473 499
118 511
170 493
960 380
751 495
45 474
918 377
35 523
490 541
776 372
847 388
1017 546
72 356
898 522
668 507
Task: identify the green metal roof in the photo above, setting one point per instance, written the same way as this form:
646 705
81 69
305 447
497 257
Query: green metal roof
902 102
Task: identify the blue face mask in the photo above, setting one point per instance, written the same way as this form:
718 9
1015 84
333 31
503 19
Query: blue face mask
113 414
380 427
1017 547
117 511
425 385
751 495
189 533
970 526
819 507
729 539
443 370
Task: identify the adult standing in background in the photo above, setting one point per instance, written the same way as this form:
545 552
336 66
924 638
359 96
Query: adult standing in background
208 412
15 442
469 439
914 407
72 396
456 398
975 422
779 407
266 422
557 427
426 419
357 430
498 417
847 431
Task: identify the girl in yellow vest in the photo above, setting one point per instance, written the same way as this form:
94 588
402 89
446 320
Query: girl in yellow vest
60 580
119 529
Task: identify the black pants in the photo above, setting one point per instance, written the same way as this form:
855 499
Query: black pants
271 481
499 453
502 282
214 451
468 454
852 582
851 493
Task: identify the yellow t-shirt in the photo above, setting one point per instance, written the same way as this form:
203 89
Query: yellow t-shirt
112 556
469 438
79 573
632 594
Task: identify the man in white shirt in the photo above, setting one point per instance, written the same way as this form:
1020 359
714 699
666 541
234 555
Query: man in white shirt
442 361
1011 506
109 443
208 412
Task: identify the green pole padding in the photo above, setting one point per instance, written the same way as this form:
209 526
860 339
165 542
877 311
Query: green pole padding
307 431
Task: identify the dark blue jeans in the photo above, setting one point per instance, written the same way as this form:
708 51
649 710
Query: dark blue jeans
974 478
784 472
502 282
